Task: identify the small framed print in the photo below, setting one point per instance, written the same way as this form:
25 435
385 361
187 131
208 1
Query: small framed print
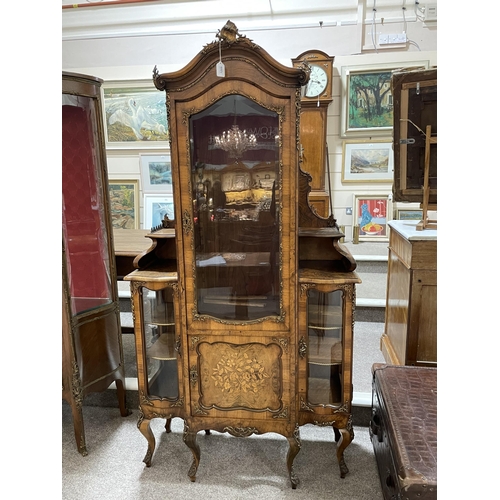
367 161
408 214
124 203
372 214
156 206
156 173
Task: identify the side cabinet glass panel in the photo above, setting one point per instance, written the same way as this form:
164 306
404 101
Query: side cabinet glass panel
161 343
235 184
84 220
325 328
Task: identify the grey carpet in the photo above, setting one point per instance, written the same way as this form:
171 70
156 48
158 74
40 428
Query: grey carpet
230 468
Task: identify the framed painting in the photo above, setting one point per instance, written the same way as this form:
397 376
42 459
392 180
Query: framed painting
367 161
156 206
156 173
367 98
372 212
408 214
124 203
135 116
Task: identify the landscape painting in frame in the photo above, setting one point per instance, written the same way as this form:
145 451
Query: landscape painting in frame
155 209
372 214
135 116
368 104
408 214
156 173
124 204
367 162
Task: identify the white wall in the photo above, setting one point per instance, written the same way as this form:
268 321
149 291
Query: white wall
132 56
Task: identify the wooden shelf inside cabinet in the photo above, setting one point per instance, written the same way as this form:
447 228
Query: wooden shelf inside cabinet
324 315
325 351
163 348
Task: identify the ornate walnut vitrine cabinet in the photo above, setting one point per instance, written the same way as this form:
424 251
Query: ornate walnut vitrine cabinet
92 355
243 321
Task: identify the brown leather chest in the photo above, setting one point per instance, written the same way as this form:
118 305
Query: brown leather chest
403 430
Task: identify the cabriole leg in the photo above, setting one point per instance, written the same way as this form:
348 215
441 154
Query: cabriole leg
144 426
295 444
190 440
346 438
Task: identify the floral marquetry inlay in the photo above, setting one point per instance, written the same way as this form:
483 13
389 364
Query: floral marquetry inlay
233 373
240 376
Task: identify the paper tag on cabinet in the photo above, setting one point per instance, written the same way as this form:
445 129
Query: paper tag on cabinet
220 69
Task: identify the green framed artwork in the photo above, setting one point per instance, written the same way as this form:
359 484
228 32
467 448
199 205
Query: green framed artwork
135 116
409 214
367 98
124 203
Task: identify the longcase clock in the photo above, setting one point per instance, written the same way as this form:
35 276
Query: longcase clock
316 97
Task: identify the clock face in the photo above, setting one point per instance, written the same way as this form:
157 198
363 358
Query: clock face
318 81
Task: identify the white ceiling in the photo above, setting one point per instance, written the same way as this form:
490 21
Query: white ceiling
112 18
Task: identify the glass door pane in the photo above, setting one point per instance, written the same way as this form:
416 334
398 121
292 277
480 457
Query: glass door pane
235 179
161 343
325 329
84 220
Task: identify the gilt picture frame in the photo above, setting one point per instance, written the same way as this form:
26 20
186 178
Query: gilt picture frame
367 161
135 116
156 173
124 203
372 212
156 206
367 105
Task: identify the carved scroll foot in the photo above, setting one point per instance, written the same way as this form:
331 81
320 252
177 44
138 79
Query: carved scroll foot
344 443
145 428
190 440
295 444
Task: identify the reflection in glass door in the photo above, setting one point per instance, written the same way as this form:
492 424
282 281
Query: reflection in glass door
235 179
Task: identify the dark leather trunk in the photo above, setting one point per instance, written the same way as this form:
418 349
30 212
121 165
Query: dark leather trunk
403 430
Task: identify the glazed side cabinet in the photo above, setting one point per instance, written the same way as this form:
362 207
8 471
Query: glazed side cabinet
92 354
410 335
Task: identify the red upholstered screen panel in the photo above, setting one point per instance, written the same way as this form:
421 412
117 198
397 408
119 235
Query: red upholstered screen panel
83 217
